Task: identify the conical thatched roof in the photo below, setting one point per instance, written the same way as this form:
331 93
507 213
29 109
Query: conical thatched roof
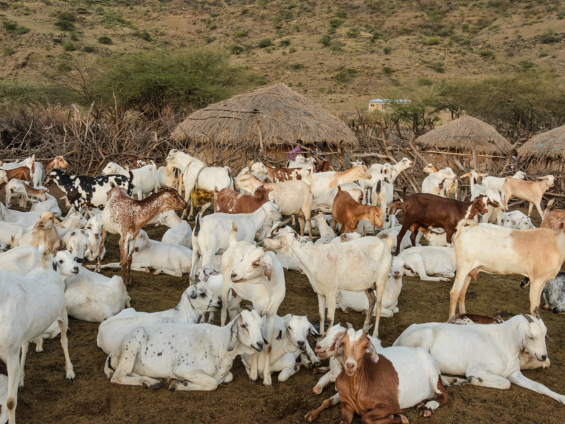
547 145
463 133
276 115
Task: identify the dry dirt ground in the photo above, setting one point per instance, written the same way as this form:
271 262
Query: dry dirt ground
48 398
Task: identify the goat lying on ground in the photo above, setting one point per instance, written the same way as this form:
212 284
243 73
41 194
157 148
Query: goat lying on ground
488 355
164 258
44 232
90 296
195 300
396 378
358 300
208 353
517 220
214 281
553 293
290 344
424 260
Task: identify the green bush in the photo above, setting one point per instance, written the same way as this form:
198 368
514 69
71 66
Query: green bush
147 37
341 13
387 50
487 54
265 42
235 49
336 22
57 40
527 65
354 32
64 67
8 51
433 41
209 39
465 28
285 42
292 49
66 16
69 46
550 37
74 36
23 30
296 66
89 49
387 70
325 40
105 40
161 78
543 54
288 15
439 67
561 15
241 33
65 25
10 26
425 82
346 75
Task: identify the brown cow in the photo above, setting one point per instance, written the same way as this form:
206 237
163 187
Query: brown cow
230 201
347 212
428 210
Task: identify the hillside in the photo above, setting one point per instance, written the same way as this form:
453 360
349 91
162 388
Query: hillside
340 54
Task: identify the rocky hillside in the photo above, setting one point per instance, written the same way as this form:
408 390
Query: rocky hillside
340 53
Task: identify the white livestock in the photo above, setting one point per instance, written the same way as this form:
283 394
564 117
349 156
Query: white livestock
195 300
179 231
324 181
291 342
424 261
28 307
358 301
256 276
517 220
494 196
326 232
488 355
359 265
164 258
48 205
26 218
196 357
433 183
212 233
144 179
76 242
392 234
498 182
300 162
90 296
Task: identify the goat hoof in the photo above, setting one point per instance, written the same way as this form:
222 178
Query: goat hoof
403 419
317 390
345 311
310 416
173 386
252 381
317 364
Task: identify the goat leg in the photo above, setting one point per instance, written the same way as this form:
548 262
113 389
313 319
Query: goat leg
100 249
372 299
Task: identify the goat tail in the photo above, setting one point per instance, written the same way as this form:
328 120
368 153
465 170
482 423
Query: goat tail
404 194
548 208
462 225
197 224
379 187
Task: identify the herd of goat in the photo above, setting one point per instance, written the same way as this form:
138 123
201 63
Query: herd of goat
240 252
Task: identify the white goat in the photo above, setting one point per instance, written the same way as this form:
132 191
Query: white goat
90 296
358 301
324 181
291 342
488 355
256 276
494 196
291 197
195 300
300 162
144 179
392 234
517 220
179 231
498 183
212 233
76 242
26 218
434 182
362 265
164 258
28 307
326 232
48 205
208 352
423 260
213 280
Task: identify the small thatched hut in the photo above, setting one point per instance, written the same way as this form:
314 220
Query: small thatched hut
272 119
545 151
465 139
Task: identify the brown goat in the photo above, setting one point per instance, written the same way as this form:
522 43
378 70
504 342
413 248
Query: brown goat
58 162
22 173
230 201
553 219
125 216
428 210
347 212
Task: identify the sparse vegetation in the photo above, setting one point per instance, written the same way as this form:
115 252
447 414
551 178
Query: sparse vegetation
387 50
105 40
433 41
8 51
487 54
23 30
65 25
325 40
10 26
265 42
235 49
69 46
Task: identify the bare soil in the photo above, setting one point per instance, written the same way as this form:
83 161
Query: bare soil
48 398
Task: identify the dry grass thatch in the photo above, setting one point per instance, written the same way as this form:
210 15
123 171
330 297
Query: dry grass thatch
272 116
464 133
547 145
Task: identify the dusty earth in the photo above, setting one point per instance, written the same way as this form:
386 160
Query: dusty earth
49 398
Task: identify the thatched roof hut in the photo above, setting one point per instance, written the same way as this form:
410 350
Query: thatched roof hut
464 135
549 145
268 117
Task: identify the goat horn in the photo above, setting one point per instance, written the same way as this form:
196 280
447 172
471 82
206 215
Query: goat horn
529 318
538 316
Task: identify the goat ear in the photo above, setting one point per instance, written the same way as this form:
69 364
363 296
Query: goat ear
268 271
233 333
282 333
313 331
80 260
538 316
54 264
374 355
